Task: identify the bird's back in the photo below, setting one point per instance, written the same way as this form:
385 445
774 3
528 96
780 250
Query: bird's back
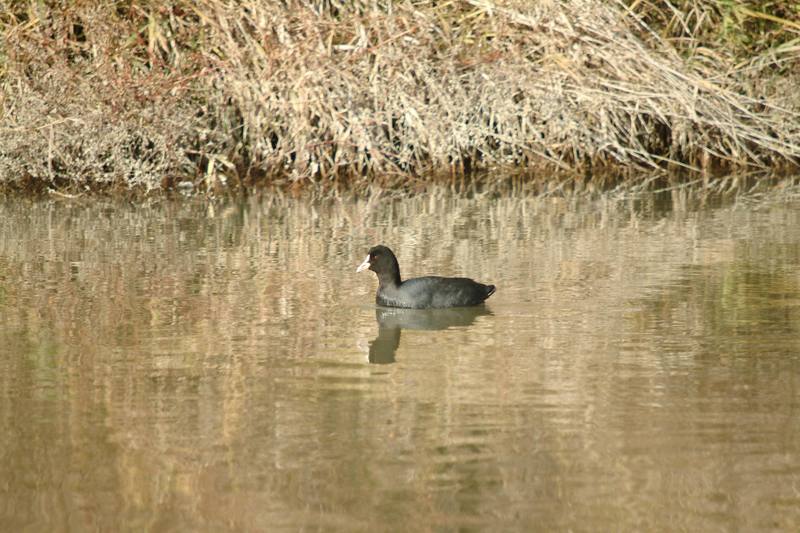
434 292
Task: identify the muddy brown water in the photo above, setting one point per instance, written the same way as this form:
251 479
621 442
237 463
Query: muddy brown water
187 366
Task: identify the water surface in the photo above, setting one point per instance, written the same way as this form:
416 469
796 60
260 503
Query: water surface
192 366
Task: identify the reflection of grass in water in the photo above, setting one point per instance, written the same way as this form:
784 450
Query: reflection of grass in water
753 297
736 289
35 355
270 261
180 291
740 298
43 357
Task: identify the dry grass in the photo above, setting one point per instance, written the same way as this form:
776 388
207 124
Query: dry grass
766 31
142 94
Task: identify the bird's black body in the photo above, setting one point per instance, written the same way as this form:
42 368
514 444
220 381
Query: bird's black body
429 292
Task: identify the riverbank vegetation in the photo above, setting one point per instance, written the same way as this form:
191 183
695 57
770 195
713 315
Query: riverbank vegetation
214 95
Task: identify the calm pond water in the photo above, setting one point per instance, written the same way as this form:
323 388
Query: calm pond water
186 366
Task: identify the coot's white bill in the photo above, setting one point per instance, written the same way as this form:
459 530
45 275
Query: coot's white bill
363 266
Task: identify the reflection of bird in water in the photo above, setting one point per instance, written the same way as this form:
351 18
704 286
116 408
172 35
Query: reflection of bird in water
383 348
392 320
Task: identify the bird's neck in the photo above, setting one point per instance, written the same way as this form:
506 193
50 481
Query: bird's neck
389 279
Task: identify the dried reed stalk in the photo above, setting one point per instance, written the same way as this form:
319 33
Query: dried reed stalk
220 93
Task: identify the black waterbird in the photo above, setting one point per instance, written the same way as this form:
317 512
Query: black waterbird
428 292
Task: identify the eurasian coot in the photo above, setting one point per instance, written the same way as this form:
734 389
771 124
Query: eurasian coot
420 293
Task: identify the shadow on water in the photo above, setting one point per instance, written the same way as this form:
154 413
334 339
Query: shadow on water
391 321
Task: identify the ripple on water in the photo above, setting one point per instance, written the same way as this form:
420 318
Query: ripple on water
636 369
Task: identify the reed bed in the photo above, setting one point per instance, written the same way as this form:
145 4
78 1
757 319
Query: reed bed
215 95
